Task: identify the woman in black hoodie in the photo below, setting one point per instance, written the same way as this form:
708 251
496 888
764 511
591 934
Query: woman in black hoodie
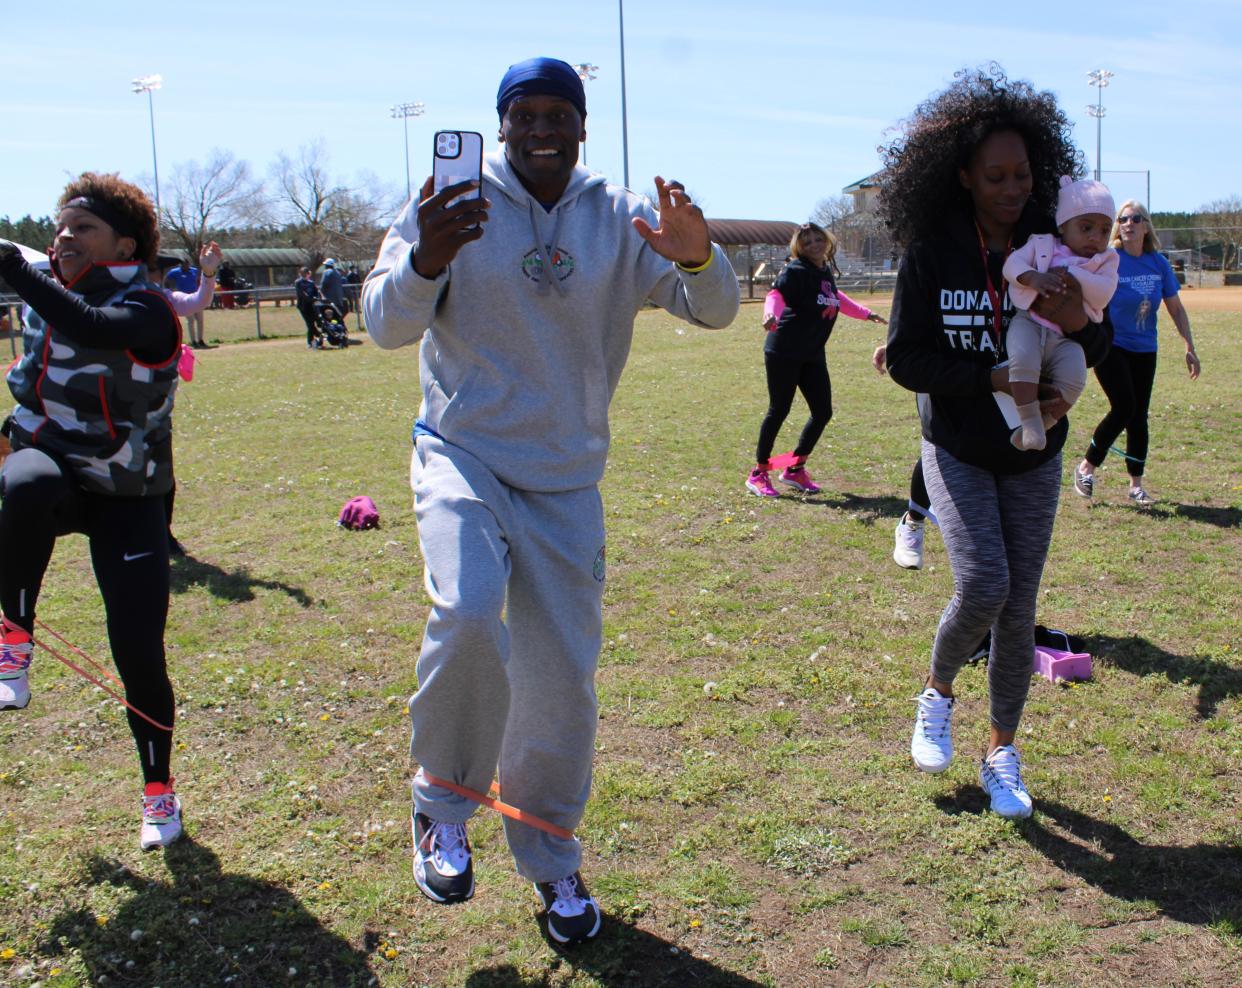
973 174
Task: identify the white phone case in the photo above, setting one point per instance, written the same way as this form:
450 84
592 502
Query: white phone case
458 157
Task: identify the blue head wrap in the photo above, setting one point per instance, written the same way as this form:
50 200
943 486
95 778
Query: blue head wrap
541 77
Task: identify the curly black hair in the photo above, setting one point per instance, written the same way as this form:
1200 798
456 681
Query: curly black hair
919 184
129 201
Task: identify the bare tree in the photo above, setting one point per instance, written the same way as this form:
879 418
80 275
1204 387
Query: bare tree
201 197
1223 218
829 212
324 216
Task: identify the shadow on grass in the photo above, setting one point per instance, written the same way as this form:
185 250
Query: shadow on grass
869 509
1199 884
1204 514
622 957
205 927
1222 517
1216 680
237 586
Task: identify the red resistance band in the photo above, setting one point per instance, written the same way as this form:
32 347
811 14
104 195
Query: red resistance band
493 803
88 677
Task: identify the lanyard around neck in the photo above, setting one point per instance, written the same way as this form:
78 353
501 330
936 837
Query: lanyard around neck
993 295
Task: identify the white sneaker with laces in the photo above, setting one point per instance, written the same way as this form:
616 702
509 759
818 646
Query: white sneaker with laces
1001 775
573 914
908 543
161 816
931 747
443 864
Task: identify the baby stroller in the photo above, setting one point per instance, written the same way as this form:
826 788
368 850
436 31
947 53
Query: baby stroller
331 324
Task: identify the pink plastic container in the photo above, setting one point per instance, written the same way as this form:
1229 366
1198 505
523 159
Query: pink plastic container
1054 665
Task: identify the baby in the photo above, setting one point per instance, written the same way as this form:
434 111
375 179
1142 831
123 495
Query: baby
1084 222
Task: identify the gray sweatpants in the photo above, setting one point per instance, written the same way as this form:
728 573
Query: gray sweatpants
996 529
513 691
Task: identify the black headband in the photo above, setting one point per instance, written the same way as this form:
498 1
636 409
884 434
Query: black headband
121 225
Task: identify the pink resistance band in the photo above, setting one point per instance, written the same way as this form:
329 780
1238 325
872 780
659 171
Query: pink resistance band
87 676
493 803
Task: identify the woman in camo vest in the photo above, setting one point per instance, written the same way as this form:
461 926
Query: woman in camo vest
92 453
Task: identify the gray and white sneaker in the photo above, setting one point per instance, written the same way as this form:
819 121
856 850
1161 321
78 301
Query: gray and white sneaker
908 543
1001 775
931 746
1141 498
1084 483
443 869
573 913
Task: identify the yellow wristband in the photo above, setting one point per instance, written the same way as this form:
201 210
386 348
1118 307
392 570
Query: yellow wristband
702 267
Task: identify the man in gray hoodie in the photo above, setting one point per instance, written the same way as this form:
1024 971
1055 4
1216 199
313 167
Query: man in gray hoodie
524 299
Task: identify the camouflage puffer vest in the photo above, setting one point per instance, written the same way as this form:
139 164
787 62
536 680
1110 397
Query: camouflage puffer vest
104 413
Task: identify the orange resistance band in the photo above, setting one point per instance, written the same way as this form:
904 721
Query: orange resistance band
492 803
87 676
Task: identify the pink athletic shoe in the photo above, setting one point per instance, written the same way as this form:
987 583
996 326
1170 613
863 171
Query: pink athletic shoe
759 483
797 476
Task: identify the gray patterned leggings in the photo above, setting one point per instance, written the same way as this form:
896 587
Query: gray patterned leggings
996 529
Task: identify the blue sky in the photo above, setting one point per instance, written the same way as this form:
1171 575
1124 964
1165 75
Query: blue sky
761 109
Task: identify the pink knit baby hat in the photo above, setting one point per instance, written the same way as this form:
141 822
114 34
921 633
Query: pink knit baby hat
1083 197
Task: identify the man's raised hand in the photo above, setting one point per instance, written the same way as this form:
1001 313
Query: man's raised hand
682 236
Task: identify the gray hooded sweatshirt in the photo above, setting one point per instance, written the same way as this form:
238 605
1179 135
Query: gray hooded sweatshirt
517 365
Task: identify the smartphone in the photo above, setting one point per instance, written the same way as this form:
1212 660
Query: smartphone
458 158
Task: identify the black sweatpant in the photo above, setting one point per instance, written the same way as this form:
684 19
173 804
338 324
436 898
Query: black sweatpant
1127 378
308 316
787 375
40 501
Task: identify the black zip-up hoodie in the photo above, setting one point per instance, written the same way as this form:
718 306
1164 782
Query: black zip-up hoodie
942 344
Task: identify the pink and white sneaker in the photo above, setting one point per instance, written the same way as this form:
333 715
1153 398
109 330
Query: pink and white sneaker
759 483
161 815
16 651
796 476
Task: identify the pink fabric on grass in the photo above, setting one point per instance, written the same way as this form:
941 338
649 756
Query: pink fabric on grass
359 513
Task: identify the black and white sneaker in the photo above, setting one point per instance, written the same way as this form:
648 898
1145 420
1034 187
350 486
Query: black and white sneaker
573 913
1084 483
443 869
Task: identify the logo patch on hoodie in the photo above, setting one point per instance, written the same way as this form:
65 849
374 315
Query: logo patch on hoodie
562 264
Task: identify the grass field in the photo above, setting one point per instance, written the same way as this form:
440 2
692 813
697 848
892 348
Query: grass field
755 818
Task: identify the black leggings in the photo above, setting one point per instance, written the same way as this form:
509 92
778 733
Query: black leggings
786 376
308 316
129 551
1127 379
920 501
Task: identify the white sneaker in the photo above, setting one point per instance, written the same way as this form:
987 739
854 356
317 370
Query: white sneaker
161 816
1001 775
931 747
908 543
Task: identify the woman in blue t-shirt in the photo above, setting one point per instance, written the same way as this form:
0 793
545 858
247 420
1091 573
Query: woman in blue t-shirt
1126 375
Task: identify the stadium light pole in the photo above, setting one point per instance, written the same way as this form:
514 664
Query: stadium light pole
403 112
1098 78
148 84
586 72
625 141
